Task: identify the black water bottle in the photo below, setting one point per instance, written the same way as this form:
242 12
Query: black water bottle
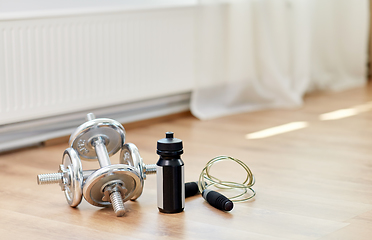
170 175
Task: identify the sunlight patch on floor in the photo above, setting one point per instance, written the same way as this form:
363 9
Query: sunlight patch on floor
289 127
344 113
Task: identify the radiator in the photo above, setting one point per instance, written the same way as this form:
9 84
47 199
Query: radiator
54 66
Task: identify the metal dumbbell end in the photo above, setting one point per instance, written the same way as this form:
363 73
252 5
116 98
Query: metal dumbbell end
111 184
129 155
114 192
70 177
53 178
149 169
117 204
49 178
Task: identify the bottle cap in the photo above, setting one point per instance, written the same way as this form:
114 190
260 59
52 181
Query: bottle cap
169 143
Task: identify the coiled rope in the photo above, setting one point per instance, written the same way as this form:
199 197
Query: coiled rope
206 180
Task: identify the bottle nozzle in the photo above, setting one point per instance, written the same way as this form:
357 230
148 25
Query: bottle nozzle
169 134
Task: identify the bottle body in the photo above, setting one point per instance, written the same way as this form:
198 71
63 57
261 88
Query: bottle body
170 184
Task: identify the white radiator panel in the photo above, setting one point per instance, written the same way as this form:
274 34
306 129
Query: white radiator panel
54 66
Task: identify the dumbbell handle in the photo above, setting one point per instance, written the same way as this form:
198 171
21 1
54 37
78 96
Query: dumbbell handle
100 147
101 151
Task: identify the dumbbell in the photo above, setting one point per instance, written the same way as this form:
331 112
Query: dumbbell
111 184
70 177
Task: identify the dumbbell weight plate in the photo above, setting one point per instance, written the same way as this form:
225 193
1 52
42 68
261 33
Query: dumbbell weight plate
111 131
73 188
93 187
129 155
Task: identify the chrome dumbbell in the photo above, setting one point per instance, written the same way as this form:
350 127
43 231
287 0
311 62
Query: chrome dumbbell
129 155
111 184
70 177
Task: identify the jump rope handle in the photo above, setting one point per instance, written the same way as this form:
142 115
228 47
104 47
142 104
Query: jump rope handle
214 198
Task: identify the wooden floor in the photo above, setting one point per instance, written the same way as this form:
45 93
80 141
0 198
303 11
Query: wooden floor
311 183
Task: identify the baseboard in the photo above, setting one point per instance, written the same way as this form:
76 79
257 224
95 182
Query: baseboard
34 132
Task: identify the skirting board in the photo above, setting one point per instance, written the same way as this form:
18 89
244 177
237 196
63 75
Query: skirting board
34 132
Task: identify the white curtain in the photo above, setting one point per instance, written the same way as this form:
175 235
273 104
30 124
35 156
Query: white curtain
256 54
